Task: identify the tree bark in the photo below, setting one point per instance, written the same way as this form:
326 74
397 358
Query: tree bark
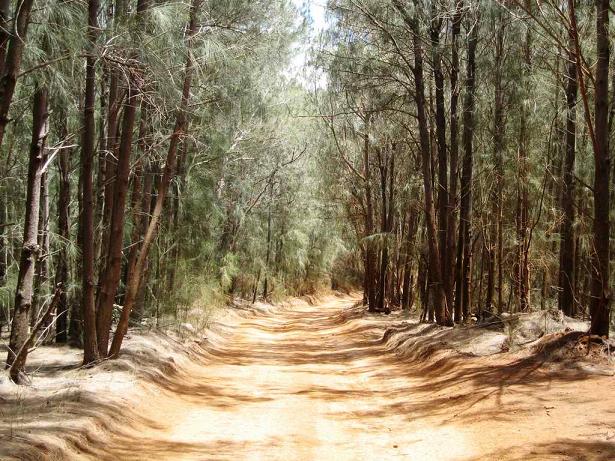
464 250
181 122
600 289
109 281
495 244
522 277
454 152
30 249
435 273
370 257
442 184
5 27
42 262
88 302
12 63
16 369
64 234
567 293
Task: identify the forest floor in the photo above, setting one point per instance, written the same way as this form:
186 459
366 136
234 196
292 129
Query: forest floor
316 382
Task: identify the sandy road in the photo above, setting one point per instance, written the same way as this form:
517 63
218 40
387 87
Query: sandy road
309 384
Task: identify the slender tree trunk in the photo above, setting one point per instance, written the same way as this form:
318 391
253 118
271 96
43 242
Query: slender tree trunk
116 95
600 308
464 250
134 280
495 244
29 252
454 152
442 184
370 257
109 281
64 234
136 198
522 279
145 207
390 217
409 247
4 317
567 293
268 244
101 176
42 263
88 301
384 260
435 272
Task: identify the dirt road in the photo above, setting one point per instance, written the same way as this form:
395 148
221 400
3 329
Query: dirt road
314 383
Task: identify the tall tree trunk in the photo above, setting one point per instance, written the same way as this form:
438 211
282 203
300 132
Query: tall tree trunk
181 122
600 308
64 234
495 244
3 255
29 252
409 257
88 301
116 14
109 281
370 257
384 229
102 162
464 250
268 244
435 273
442 183
175 253
567 293
522 269
454 142
136 198
42 263
145 207
110 278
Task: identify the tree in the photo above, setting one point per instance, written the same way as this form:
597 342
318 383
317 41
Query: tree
88 301
29 252
600 289
567 269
